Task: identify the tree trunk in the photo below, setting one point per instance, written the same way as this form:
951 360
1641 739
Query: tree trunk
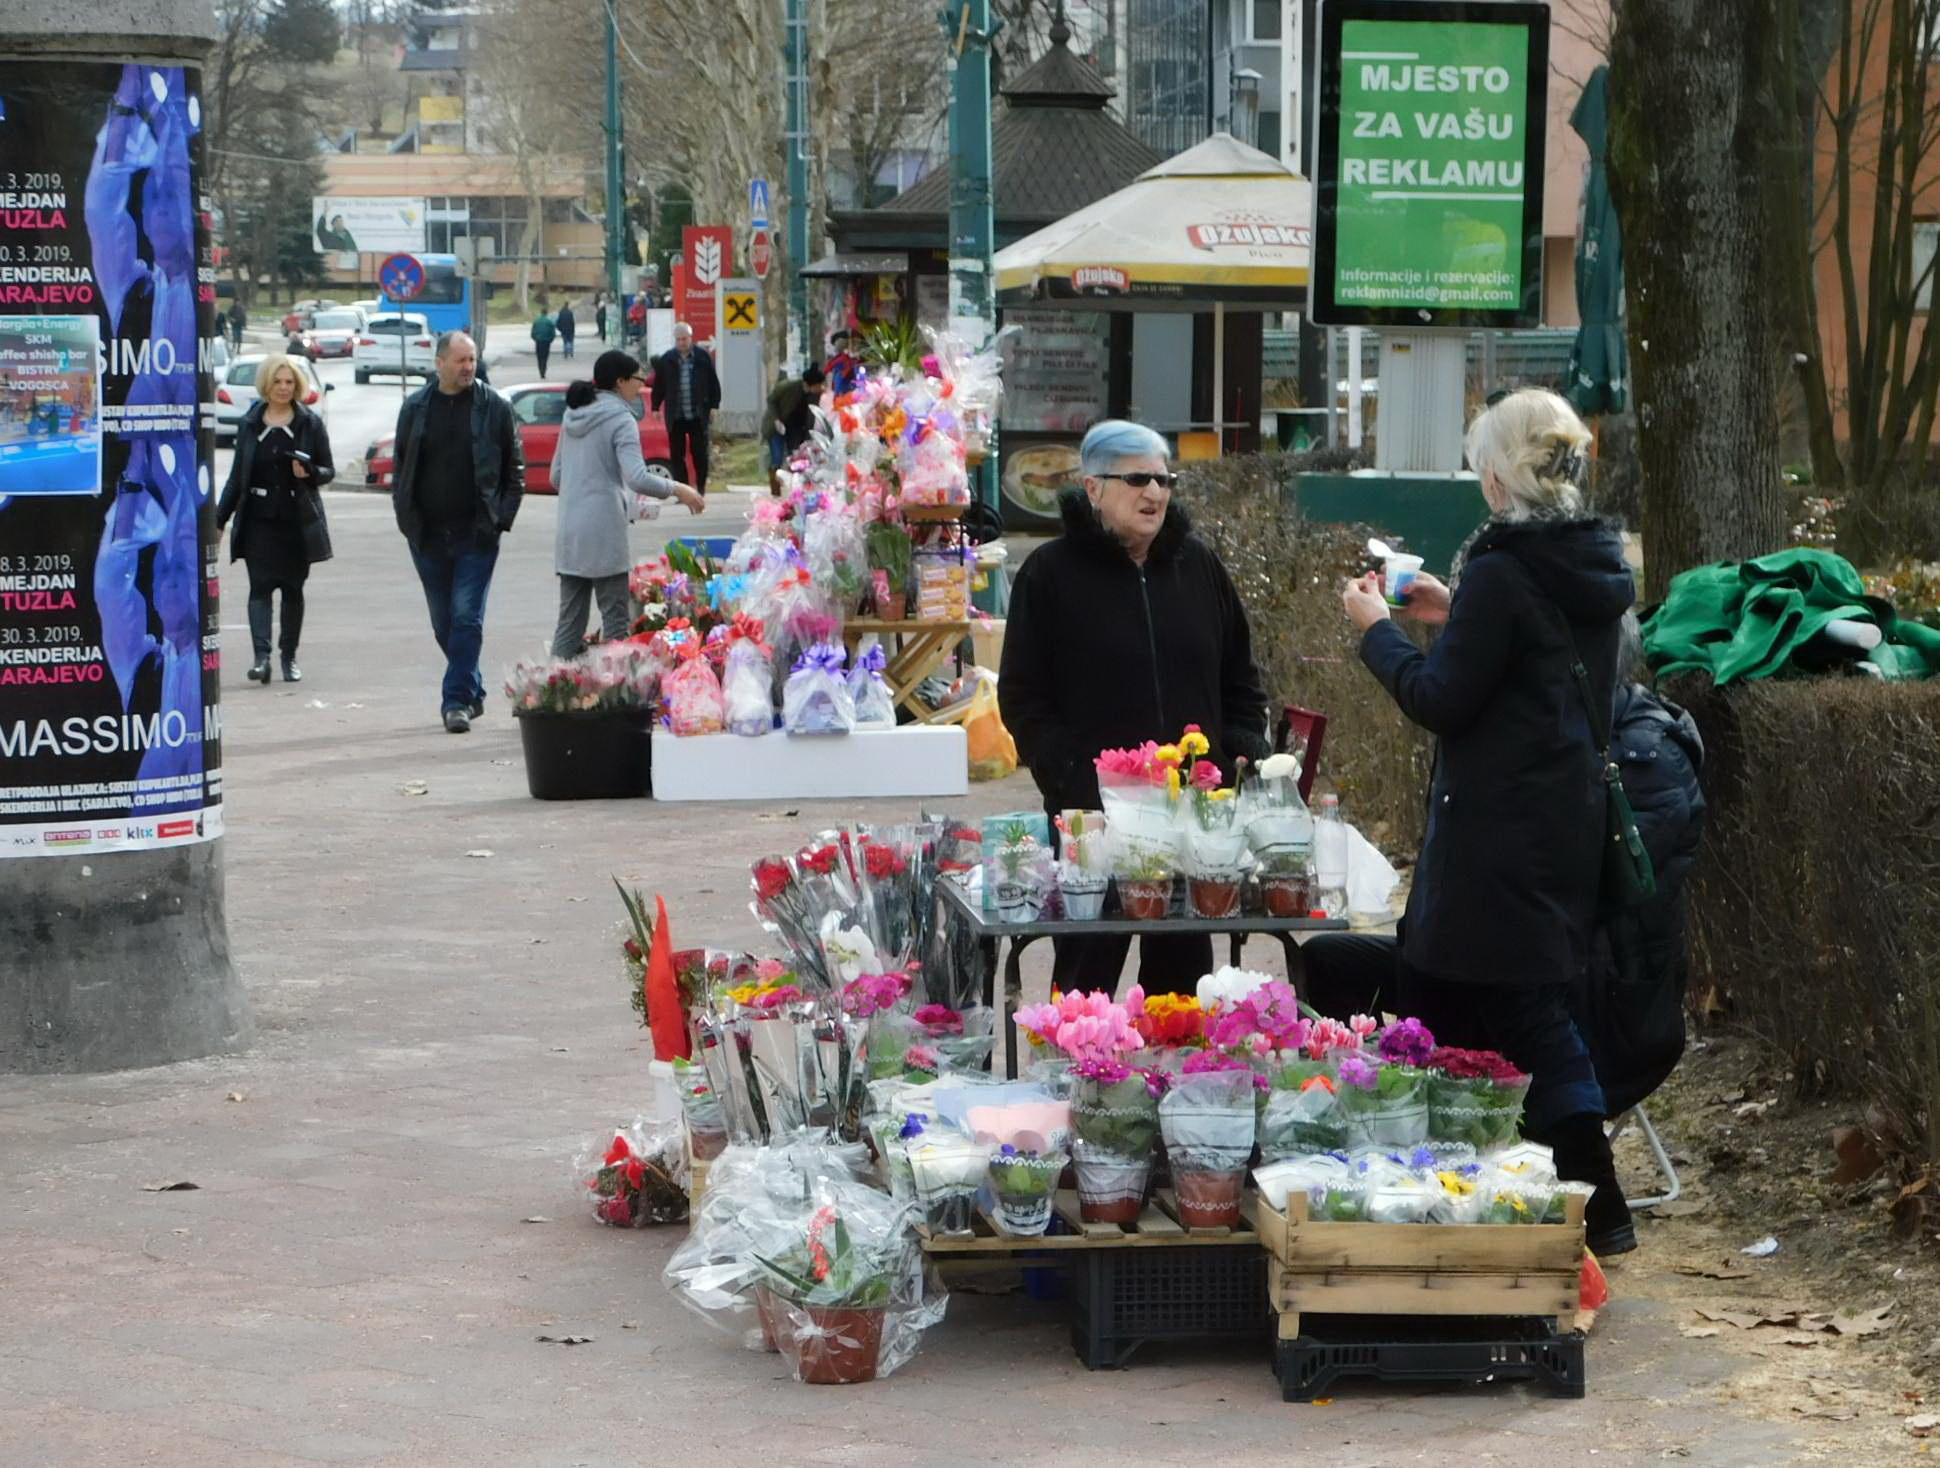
1685 167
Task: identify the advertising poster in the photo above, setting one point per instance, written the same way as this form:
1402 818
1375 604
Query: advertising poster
110 725
1431 167
342 224
707 252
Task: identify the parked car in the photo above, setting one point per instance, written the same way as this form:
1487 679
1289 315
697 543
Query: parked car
301 316
378 350
238 391
371 307
334 334
537 409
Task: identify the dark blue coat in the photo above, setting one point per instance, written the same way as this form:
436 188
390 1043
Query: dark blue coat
1505 888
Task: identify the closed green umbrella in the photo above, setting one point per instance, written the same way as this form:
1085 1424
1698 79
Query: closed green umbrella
1599 371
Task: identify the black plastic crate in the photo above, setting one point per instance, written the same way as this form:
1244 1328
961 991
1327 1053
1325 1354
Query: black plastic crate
1124 1298
1428 1349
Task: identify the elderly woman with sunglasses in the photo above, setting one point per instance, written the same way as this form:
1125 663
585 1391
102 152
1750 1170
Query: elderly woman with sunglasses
1123 629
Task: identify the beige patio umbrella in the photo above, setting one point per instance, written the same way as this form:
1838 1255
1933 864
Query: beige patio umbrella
1221 224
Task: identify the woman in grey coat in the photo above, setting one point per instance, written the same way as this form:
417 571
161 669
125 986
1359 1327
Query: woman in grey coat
603 482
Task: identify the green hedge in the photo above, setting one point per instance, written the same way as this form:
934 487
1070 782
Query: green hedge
1815 905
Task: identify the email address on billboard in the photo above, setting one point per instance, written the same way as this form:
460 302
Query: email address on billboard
1455 287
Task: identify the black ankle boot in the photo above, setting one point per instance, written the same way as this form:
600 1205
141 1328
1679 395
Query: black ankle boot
259 670
291 672
1583 1156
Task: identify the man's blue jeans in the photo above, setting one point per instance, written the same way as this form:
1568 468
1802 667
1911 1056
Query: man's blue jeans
456 569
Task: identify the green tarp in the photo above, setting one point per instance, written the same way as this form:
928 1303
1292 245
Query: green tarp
1751 619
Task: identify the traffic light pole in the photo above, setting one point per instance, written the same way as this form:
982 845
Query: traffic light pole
615 187
973 228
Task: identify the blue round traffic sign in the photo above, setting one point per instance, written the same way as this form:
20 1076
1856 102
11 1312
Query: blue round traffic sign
402 276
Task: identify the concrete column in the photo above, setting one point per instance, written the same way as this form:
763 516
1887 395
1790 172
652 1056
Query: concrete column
115 958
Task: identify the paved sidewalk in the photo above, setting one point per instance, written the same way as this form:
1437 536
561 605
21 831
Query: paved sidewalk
442 1025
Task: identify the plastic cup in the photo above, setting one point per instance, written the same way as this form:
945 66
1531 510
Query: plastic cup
1397 575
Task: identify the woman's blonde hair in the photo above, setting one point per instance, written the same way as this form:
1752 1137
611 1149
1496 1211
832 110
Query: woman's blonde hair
274 363
1538 450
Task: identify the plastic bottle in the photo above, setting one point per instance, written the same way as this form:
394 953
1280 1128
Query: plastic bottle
1330 858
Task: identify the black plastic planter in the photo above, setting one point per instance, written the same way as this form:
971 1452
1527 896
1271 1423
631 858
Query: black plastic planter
587 756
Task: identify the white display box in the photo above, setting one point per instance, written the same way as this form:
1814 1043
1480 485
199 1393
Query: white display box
915 760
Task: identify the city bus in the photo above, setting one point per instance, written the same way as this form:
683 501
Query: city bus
446 300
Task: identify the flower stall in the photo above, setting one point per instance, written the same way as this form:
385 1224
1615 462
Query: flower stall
1190 1165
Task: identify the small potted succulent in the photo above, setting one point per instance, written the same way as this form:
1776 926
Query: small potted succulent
1024 875
1084 870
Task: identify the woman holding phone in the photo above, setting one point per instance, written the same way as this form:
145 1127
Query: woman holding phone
282 460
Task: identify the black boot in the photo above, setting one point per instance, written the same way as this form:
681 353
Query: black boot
1583 1155
259 630
291 672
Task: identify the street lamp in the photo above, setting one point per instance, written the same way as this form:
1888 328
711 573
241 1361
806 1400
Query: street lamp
1243 106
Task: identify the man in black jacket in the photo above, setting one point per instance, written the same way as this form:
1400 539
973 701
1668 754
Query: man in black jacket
460 477
1126 628
687 390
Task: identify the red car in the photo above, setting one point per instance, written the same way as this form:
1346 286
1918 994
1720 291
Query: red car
537 408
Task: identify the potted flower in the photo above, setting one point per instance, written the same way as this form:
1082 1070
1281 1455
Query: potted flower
832 1294
1023 875
1084 870
1474 1096
1382 1098
1025 1184
1215 844
947 1171
1208 1120
888 546
1280 830
584 723
1140 790
1114 1109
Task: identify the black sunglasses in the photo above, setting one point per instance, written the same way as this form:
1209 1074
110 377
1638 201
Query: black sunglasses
1140 479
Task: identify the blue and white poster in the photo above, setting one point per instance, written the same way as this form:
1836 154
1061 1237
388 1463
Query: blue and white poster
110 724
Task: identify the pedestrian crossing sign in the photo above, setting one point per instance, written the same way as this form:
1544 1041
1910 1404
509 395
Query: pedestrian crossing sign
740 311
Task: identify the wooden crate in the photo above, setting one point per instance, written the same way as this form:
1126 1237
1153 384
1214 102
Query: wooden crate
1158 1226
1419 1268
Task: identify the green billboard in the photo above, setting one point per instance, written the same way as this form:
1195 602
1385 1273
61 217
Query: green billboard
1429 167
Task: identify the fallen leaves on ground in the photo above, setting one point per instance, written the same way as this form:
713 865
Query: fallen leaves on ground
1712 1271
171 1187
566 1340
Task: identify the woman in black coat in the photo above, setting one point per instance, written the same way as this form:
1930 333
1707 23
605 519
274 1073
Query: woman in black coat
282 460
1500 919
1126 628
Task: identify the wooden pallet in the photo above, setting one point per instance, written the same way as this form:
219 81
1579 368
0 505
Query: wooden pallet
1158 1226
1419 1268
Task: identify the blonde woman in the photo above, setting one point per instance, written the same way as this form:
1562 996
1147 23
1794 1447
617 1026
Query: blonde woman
1503 908
282 460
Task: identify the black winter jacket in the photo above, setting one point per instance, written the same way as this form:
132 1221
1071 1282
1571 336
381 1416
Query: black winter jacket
666 384
311 437
1506 885
498 462
1631 1012
1100 653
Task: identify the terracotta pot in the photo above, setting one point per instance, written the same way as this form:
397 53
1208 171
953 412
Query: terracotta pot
708 1145
843 1349
1208 1199
764 1307
1212 897
896 608
1124 1210
1286 896
1145 901
1111 1190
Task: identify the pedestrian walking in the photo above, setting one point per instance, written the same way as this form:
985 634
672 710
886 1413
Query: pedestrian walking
1123 629
460 477
687 390
603 482
238 319
566 326
544 329
282 460
1519 691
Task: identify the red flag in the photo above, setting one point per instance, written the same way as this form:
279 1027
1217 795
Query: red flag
665 1013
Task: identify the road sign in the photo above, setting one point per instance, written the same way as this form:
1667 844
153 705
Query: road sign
740 311
760 254
402 276
758 203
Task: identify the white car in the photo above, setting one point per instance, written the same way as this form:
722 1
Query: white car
370 308
238 391
378 353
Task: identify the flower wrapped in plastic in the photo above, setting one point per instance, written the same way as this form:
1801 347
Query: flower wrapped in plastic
1298 1115
700 1107
1024 1185
1140 792
1381 1103
891 879
816 699
1207 1119
962 1038
1026 873
1474 1096
874 707
1215 846
931 467
948 1169
1084 863
834 550
693 695
1300 1176
639 1181
747 687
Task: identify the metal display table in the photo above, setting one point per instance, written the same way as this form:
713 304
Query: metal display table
990 931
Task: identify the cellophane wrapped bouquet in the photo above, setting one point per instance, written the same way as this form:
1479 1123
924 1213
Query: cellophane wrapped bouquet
638 1179
1140 789
874 708
748 684
693 694
609 677
816 699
